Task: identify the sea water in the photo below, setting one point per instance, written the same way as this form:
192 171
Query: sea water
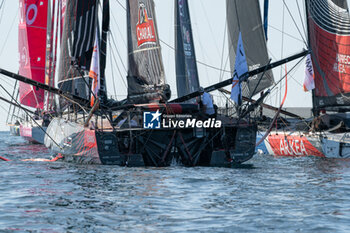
266 194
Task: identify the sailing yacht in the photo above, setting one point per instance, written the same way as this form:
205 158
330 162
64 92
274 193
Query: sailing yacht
327 133
149 128
134 131
32 34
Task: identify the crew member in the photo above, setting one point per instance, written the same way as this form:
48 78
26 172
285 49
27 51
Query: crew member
124 122
207 106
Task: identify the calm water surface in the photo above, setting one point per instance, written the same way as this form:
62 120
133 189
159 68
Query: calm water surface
267 194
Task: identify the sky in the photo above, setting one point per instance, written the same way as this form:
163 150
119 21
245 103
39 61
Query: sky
211 46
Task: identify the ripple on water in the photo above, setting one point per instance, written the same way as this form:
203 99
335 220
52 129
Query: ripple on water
268 194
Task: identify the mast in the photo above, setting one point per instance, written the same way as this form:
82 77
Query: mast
53 17
314 111
186 67
103 50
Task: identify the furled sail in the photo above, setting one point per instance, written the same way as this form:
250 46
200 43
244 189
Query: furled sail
245 17
329 37
146 79
78 38
32 49
186 66
103 53
51 52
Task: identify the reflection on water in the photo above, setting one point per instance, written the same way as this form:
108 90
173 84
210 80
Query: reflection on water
267 194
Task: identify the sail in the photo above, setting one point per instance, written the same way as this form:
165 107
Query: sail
146 79
245 17
329 37
32 49
80 21
186 66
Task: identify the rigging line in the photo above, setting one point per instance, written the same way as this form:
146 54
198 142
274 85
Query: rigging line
261 77
221 91
199 62
121 5
27 113
169 58
293 77
207 73
110 52
3 81
120 33
13 94
274 92
116 64
202 49
5 110
294 22
282 46
285 33
1 11
298 63
210 28
301 19
222 53
116 48
8 33
119 71
14 109
224 68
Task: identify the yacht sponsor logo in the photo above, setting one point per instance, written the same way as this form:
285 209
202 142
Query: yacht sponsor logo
32 13
292 147
151 120
145 30
253 67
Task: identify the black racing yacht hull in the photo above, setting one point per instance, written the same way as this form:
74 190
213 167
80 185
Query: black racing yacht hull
152 147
